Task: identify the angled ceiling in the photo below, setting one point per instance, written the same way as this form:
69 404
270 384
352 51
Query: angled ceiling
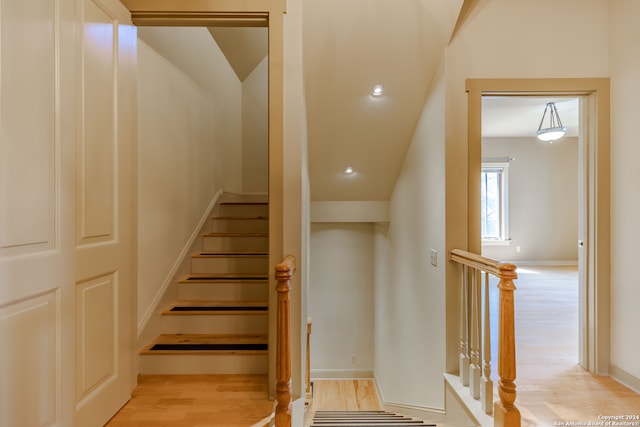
244 47
350 46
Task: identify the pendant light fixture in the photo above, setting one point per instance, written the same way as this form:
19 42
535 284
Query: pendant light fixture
554 129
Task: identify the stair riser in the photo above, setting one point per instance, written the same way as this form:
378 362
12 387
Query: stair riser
244 210
230 225
223 291
203 364
235 244
246 265
215 324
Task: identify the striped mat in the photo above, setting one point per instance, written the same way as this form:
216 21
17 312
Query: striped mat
363 419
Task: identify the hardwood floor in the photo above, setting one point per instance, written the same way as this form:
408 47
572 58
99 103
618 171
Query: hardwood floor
552 387
196 401
343 395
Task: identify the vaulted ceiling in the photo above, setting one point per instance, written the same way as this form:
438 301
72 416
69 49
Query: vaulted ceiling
349 47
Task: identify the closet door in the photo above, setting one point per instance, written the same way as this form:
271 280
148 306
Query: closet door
105 212
37 166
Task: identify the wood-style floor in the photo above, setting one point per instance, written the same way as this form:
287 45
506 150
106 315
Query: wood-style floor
551 386
343 395
196 401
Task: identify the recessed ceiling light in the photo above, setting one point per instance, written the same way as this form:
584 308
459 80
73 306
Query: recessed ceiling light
349 170
377 90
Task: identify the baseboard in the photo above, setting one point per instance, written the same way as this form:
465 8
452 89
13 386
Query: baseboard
420 412
343 374
624 378
436 415
544 263
171 275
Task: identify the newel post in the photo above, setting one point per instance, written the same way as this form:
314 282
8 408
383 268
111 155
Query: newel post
284 273
505 411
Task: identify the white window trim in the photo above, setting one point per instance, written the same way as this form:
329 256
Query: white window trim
505 204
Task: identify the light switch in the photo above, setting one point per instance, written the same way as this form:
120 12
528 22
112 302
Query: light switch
434 257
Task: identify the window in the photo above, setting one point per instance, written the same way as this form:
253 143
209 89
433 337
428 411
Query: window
494 203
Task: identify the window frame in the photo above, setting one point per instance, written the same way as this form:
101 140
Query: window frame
503 166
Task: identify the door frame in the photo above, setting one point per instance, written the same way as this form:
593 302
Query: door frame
249 13
594 294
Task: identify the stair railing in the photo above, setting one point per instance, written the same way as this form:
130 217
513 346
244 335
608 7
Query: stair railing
284 273
475 335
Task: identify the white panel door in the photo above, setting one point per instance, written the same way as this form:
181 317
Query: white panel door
37 146
105 212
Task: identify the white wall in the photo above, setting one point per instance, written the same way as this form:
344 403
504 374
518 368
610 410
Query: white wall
543 199
409 291
186 123
500 38
600 41
625 194
255 130
341 299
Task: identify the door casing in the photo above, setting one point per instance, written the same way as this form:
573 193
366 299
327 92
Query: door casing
594 292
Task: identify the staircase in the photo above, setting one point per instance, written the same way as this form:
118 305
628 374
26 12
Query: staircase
363 419
219 324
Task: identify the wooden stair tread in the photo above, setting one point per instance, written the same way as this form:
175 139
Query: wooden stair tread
235 234
223 277
206 343
212 308
239 217
244 202
363 419
230 254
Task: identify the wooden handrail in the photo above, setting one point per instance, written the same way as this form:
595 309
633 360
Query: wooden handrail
506 414
284 273
498 269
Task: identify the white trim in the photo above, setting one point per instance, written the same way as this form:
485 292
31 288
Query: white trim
543 263
343 374
426 413
471 405
504 199
422 412
170 277
625 378
496 242
349 211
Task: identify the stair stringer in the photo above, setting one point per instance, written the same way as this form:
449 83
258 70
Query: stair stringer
150 325
455 413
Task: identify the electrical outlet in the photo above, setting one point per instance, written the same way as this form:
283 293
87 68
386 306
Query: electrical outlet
434 257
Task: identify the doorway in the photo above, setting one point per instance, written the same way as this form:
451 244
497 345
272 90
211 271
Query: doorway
269 14
593 218
530 204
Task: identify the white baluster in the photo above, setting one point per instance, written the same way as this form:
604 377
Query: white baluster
486 384
464 336
475 369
